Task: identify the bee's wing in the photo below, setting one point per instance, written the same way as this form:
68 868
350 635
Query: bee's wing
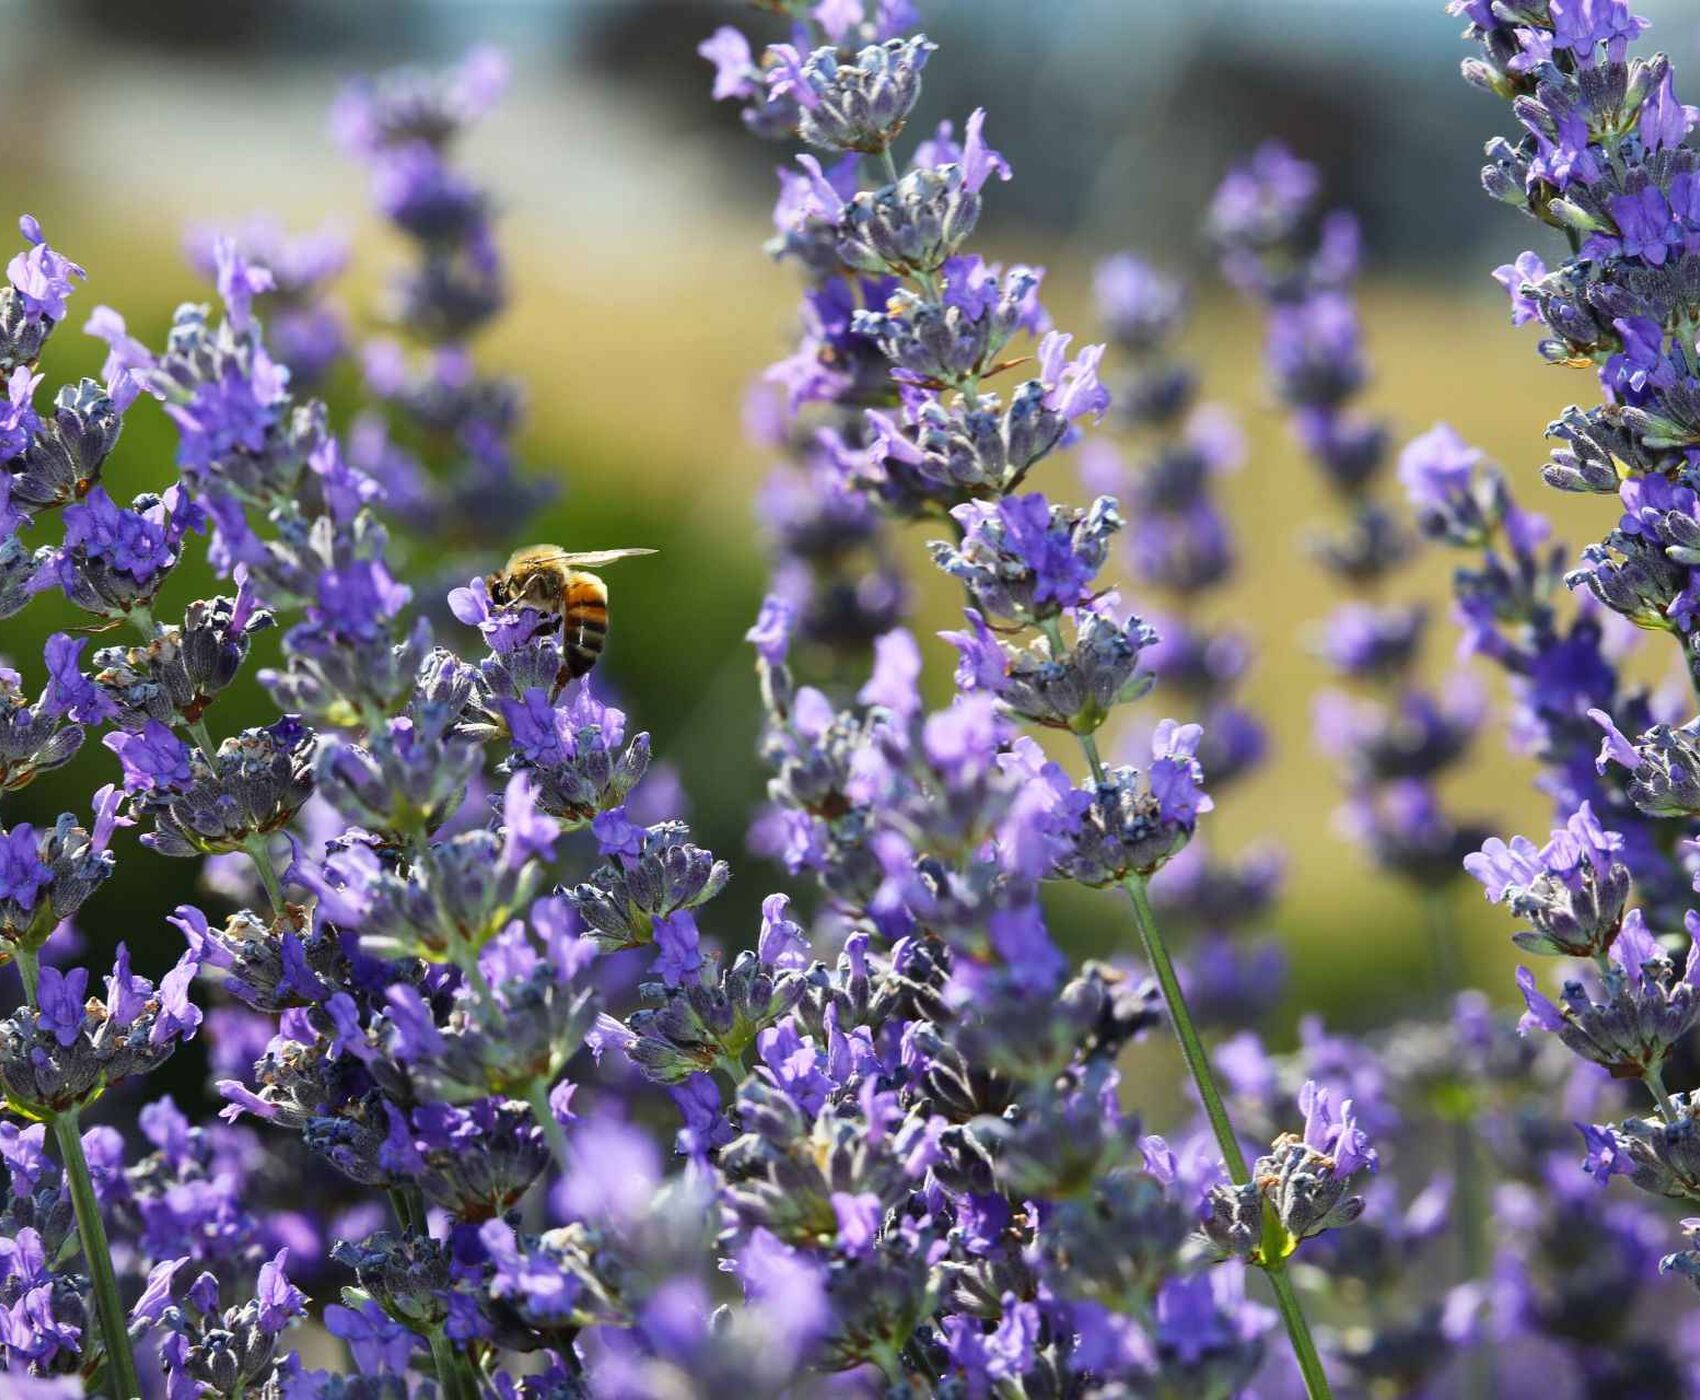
596 558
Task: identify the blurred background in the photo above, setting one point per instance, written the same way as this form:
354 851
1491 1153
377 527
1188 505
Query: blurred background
633 214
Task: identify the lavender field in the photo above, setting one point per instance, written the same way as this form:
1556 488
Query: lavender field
1150 521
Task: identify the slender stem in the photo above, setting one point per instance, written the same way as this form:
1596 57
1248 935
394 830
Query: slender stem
409 1207
1469 1166
1180 1016
1468 1173
203 739
1298 1332
538 1097
889 163
1204 1079
457 1384
255 846
29 968
1443 941
1654 1079
1691 657
97 1255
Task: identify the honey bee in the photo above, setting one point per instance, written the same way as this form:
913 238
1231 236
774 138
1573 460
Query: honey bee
555 580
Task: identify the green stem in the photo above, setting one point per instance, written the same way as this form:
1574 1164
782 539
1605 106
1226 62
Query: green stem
1473 1251
255 846
1468 1165
97 1255
538 1097
452 1376
203 740
1654 1079
1691 658
1443 938
1298 1332
409 1207
29 968
1180 1016
1204 1079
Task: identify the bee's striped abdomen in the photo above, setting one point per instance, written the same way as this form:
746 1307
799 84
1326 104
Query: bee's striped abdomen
584 622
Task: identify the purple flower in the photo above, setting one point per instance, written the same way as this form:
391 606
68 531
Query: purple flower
378 1343
613 1171
1019 937
788 1286
42 277
18 426
1514 276
536 1281
1664 121
735 71
782 943
678 954
154 759
156 1293
124 353
356 600
1582 25
528 831
69 692
239 282
280 1301
1176 775
962 742
23 873
1644 221
1072 388
503 629
60 997
616 834
231 411
978 160
859 1216
1334 1132
1437 466
981 661
178 1018
896 676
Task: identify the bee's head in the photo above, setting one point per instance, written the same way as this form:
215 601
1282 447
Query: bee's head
500 588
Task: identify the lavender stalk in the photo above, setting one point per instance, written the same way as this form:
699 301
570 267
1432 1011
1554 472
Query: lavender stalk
944 445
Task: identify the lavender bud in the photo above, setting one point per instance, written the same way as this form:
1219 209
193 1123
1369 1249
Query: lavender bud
911 227
623 898
1573 890
859 106
1647 1007
34 738
63 459
252 787
404 781
407 1276
703 1026
45 876
177 674
1302 1185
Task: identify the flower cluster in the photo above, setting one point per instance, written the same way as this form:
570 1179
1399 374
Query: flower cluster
1603 157
439 434
1394 738
286 277
931 834
1181 550
510 1108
